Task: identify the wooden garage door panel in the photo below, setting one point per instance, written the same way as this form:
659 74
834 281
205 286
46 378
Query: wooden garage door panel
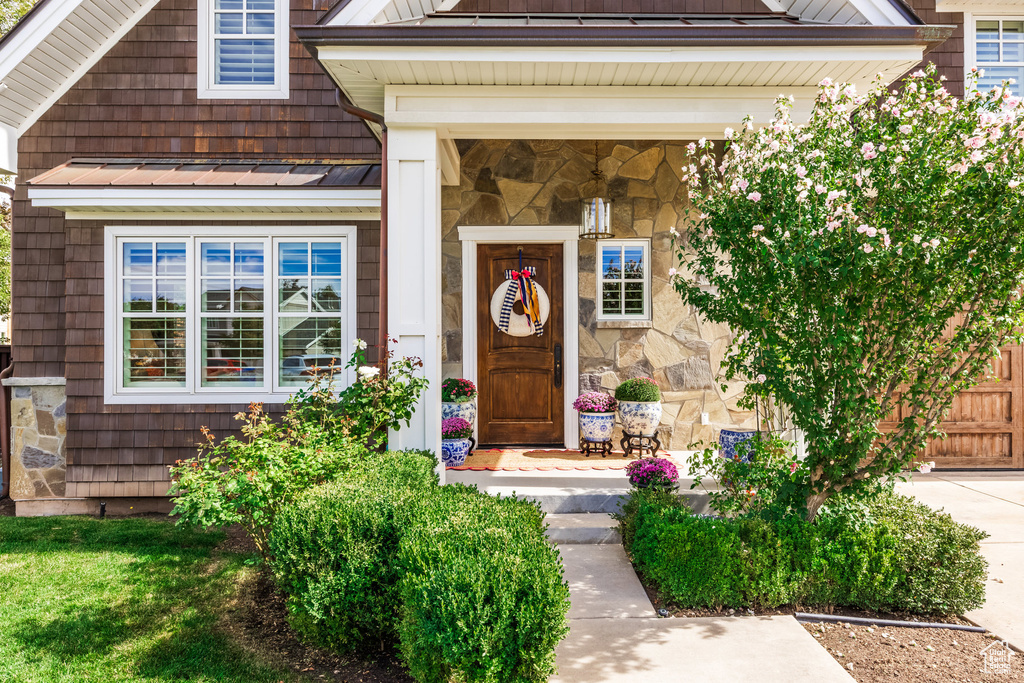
985 425
981 406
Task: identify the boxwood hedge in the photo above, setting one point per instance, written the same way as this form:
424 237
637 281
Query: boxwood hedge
893 554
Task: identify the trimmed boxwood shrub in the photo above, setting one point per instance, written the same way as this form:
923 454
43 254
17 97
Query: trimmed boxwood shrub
482 590
466 583
894 554
334 552
638 389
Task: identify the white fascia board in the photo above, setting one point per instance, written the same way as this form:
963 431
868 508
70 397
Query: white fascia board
8 150
84 68
116 215
140 199
620 55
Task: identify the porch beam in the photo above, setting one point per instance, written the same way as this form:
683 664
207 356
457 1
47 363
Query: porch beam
612 112
414 264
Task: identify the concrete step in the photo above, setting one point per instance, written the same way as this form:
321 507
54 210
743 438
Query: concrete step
589 528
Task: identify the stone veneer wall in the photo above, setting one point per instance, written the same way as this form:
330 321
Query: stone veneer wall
536 182
39 425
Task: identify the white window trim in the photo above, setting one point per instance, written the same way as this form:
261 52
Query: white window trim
208 90
971 38
113 391
599 268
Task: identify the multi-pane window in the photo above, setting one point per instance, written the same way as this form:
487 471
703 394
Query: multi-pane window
999 47
624 279
230 315
243 48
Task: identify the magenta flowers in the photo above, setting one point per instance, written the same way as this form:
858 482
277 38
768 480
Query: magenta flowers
456 428
594 402
652 473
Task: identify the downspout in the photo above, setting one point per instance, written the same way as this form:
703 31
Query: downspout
371 117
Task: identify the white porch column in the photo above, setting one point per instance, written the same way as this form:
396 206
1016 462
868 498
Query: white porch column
414 271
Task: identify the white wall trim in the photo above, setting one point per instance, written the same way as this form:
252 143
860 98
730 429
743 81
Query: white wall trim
114 394
980 6
52 197
214 215
568 237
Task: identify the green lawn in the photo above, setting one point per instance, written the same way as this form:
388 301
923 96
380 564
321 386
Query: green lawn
83 599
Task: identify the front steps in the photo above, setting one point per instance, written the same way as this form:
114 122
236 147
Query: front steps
578 503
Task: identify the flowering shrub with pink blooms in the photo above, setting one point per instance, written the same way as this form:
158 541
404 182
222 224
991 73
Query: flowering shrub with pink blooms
868 258
594 402
456 428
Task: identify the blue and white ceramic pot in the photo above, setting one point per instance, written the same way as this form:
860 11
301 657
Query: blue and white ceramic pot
729 439
466 410
597 427
454 452
640 417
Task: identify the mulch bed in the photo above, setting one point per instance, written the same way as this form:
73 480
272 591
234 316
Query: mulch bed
259 621
922 655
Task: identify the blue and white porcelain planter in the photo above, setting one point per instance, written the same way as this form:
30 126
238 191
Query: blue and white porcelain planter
728 439
454 452
597 427
466 410
640 417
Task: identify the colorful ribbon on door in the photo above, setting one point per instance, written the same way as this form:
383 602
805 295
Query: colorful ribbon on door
523 289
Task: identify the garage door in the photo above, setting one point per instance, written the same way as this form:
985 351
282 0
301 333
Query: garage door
985 425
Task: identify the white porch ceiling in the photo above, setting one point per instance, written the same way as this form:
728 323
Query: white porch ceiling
365 72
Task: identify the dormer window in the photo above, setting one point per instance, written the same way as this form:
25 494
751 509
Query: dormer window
243 49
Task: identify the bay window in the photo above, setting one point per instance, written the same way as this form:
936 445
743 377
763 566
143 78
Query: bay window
227 317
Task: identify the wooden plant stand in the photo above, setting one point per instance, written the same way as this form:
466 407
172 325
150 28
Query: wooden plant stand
589 448
637 443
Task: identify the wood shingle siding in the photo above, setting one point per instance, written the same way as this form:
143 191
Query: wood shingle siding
140 101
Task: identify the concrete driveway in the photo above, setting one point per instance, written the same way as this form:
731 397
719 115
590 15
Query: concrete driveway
993 502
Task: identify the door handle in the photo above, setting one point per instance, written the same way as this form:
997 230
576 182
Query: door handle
558 365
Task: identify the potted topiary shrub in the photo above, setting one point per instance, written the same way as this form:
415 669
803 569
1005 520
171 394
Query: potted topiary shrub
639 406
458 399
652 473
597 416
455 433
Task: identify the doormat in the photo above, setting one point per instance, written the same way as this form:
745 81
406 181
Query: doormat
524 459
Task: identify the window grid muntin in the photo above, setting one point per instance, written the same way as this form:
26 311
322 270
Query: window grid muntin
606 284
208 370
342 235
309 313
220 38
126 316
1000 67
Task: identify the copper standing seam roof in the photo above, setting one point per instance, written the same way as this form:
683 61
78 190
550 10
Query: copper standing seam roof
451 29
171 173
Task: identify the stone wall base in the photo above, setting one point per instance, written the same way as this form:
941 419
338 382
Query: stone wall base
38 430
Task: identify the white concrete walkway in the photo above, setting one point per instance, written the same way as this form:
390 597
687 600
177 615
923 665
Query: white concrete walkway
993 502
616 637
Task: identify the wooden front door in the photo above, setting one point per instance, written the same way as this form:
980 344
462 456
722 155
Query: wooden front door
521 378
